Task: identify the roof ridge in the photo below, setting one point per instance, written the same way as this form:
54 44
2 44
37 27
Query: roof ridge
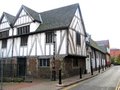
77 4
8 14
29 8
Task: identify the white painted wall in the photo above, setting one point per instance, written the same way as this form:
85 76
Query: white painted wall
36 45
34 26
76 25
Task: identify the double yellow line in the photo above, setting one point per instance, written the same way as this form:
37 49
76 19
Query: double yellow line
118 85
72 86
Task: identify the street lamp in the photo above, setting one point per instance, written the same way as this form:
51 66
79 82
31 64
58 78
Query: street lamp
1 88
53 65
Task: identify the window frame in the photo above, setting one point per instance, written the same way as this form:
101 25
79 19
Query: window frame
24 40
4 34
4 43
44 62
23 30
78 38
49 37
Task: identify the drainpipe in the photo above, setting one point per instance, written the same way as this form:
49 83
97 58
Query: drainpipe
53 67
12 75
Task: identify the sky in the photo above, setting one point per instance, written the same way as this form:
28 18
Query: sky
101 17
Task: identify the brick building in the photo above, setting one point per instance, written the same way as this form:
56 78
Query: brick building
114 52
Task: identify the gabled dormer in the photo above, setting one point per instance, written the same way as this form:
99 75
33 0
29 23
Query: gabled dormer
26 19
6 23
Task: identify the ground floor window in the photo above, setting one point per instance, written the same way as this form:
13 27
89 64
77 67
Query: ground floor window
75 62
44 62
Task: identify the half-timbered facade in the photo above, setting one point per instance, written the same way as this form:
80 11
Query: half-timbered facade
104 44
96 57
30 40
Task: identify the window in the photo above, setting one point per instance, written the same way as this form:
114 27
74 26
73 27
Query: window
75 62
4 43
44 62
78 38
24 40
49 37
23 30
4 34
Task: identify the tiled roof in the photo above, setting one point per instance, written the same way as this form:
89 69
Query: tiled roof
52 19
95 45
57 18
103 43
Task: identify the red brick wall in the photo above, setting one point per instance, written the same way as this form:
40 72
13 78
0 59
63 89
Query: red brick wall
115 53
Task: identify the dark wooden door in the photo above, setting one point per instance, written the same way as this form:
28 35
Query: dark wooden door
21 66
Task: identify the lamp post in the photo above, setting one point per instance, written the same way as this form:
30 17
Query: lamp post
53 66
1 88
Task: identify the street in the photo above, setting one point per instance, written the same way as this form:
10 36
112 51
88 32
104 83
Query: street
105 81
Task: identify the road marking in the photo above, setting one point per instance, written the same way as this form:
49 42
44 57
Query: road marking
74 85
118 85
69 87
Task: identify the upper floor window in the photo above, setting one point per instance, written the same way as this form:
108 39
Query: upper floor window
23 30
4 43
49 37
4 34
78 38
24 40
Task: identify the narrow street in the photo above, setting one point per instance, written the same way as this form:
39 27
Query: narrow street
105 81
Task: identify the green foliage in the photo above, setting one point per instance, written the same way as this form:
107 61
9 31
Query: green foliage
112 60
116 60
9 79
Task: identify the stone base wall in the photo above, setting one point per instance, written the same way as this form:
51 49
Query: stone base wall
9 67
69 70
33 68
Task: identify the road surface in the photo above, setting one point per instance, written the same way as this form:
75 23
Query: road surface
105 81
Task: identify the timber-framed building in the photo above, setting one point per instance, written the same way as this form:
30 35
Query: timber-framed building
29 40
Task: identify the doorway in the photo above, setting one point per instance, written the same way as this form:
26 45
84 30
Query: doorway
21 67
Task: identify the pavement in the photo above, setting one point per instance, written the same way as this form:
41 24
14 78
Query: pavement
46 84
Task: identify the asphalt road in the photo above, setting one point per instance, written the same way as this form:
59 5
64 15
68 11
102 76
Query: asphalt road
105 81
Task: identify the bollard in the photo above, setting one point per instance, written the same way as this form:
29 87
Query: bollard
99 69
60 77
80 72
105 67
53 74
91 70
102 68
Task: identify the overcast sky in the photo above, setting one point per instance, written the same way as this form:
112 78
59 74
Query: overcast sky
101 17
